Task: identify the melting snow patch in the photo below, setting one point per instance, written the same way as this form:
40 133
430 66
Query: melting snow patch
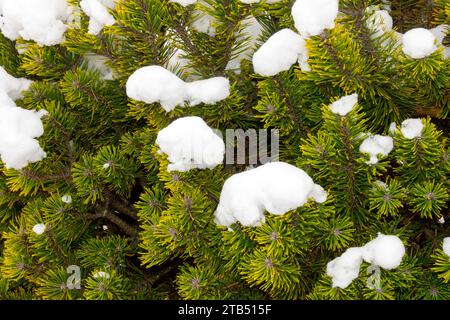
276 187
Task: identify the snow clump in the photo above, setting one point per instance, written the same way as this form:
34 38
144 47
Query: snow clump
344 105
43 21
375 145
385 251
189 143
276 187
19 127
156 84
280 52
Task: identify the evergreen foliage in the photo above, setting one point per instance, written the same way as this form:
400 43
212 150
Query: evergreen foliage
138 231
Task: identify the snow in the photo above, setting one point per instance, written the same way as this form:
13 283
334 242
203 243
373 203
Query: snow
385 251
18 127
412 128
208 91
97 11
184 3
446 246
67 198
156 84
98 63
276 187
256 1
393 128
279 53
441 220
380 21
251 32
39 228
189 143
375 145
345 269
440 32
419 43
42 21
313 17
204 22
344 105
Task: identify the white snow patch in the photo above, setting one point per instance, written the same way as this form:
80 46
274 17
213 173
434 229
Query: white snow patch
344 105
189 143
276 187
446 246
412 128
42 21
419 43
441 220
375 145
19 127
385 251
280 52
67 198
97 11
345 269
156 84
39 228
313 17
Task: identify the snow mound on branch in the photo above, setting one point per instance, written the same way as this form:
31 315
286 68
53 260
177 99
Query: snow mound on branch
39 228
440 32
189 143
156 84
313 17
42 21
280 52
412 128
375 145
345 269
184 3
446 246
385 251
344 105
419 43
97 11
276 187
19 128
